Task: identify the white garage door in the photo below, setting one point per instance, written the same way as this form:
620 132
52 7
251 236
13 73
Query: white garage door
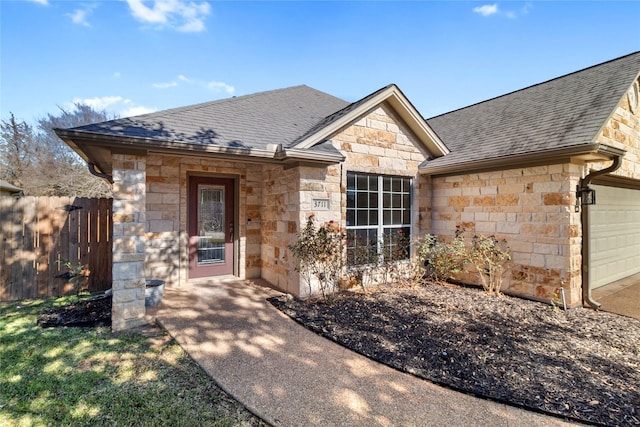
615 235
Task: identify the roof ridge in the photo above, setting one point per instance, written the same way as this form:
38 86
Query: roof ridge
535 85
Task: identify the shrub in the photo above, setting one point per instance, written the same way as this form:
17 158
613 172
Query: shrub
395 265
490 257
320 255
77 275
439 259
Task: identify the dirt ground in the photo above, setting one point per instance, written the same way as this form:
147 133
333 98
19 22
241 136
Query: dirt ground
578 364
87 313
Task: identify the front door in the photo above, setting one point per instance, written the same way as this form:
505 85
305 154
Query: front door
211 217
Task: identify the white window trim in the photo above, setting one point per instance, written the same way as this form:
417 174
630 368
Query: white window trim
380 209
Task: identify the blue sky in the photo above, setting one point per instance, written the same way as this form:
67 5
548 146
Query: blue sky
135 56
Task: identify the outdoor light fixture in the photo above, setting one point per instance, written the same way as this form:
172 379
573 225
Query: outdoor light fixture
586 195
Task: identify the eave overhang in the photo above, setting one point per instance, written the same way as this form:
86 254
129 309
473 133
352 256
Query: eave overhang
593 152
97 148
400 104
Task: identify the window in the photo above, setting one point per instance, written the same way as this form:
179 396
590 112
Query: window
378 217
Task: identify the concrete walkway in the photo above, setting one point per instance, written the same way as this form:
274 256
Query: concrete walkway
290 376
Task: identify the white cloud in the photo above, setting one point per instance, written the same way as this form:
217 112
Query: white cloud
487 9
124 107
177 14
42 2
213 86
220 87
165 85
136 111
79 17
116 75
101 103
492 9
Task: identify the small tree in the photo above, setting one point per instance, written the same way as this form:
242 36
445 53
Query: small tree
78 275
490 257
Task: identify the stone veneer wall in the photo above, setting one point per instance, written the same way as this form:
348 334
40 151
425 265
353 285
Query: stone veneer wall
378 143
128 241
533 209
166 227
280 224
623 131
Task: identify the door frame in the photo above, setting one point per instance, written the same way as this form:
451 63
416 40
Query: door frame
236 217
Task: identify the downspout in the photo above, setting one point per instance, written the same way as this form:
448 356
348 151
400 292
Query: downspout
586 250
94 172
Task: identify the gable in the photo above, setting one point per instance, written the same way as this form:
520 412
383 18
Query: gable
381 142
393 98
622 131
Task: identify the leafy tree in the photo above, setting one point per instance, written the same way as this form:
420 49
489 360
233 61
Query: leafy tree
42 164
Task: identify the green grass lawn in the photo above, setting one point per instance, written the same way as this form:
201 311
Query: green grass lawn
91 376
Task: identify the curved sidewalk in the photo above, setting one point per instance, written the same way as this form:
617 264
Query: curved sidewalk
290 376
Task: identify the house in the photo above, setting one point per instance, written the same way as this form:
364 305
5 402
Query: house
9 190
222 188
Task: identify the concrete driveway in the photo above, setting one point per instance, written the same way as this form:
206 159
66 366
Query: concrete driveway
621 297
290 376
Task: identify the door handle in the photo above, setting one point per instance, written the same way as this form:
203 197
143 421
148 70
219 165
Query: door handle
231 230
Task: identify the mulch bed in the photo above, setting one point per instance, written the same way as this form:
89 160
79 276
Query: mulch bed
86 313
578 364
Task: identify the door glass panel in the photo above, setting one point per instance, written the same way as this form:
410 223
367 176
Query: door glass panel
211 231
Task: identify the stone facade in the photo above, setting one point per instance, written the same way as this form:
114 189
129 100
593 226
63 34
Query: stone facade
378 143
128 241
167 214
533 209
623 131
279 216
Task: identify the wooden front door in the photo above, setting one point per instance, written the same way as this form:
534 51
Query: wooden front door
211 224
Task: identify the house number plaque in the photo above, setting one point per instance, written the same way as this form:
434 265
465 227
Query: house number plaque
321 204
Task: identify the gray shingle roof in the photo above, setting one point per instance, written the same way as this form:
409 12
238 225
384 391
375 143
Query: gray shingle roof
564 112
252 121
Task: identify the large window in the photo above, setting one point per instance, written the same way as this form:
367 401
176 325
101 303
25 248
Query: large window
378 217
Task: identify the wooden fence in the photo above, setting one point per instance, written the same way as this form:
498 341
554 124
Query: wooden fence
39 234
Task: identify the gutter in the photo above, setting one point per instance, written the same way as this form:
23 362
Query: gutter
111 141
516 160
94 172
584 216
272 153
295 154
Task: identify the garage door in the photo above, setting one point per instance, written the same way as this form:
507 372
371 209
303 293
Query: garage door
615 235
